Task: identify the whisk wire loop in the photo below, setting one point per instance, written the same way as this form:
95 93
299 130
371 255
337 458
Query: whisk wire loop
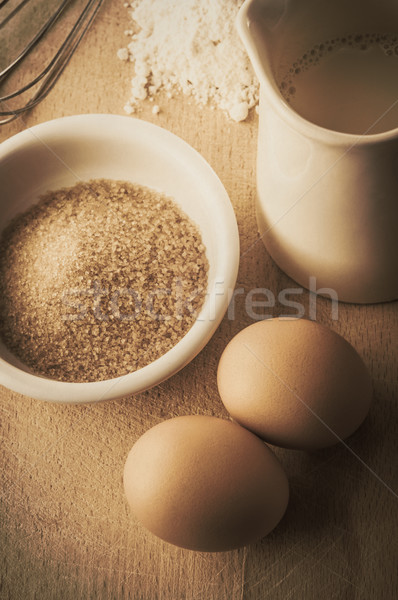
55 67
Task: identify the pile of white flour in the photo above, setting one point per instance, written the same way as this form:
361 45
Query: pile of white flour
190 46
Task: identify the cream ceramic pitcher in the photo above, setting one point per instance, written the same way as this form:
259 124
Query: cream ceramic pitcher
327 199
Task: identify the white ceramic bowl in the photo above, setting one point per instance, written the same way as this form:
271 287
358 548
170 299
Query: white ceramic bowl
61 152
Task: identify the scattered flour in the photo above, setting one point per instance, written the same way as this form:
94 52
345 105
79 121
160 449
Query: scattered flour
190 46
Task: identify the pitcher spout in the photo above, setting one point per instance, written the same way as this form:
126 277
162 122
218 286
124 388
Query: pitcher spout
255 23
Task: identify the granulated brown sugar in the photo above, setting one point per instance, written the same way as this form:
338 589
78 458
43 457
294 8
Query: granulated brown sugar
99 280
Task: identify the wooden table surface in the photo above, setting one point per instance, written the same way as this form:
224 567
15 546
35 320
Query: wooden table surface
66 531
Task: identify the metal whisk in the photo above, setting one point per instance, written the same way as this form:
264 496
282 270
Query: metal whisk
43 82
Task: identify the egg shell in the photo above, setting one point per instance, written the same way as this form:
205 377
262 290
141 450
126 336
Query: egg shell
295 383
205 484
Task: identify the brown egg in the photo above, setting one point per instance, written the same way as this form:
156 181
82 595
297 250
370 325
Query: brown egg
205 483
294 383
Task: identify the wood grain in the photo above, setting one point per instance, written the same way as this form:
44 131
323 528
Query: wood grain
66 532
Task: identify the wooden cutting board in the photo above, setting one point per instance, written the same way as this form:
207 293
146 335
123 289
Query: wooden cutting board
65 529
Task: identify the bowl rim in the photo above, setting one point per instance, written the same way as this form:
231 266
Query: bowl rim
213 309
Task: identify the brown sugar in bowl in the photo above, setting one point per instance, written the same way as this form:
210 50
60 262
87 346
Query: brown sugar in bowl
60 153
